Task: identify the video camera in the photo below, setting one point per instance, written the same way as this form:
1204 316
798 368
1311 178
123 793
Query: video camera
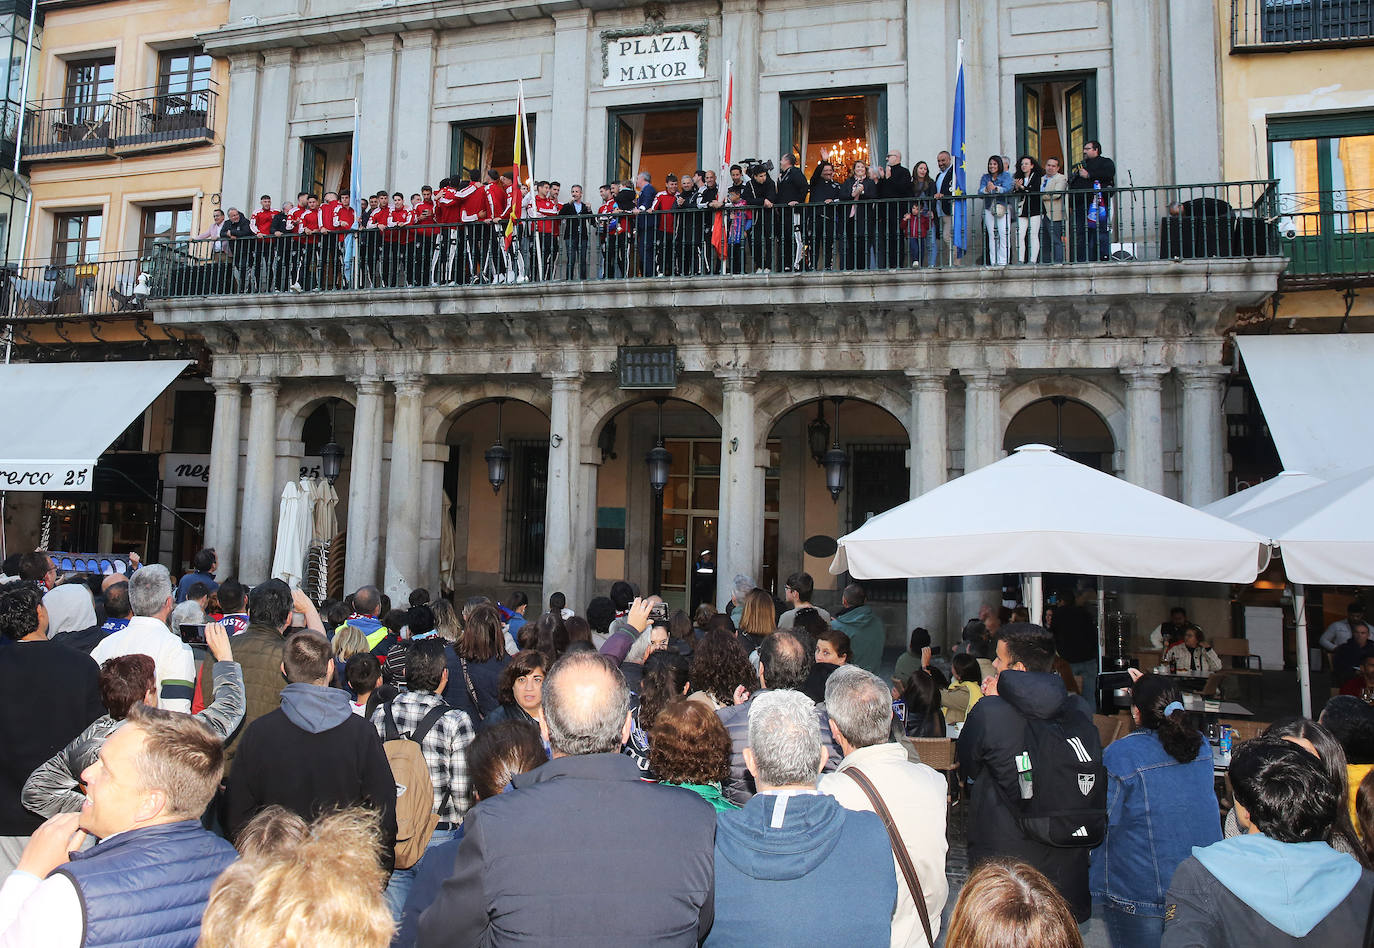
754 165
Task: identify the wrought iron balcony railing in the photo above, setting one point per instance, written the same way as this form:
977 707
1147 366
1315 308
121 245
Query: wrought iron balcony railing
1328 237
1300 24
141 120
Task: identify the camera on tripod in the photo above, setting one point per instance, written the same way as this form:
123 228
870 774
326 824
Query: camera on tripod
757 165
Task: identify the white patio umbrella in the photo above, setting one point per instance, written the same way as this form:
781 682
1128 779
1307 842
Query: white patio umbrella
293 534
1325 535
1037 512
324 500
1265 492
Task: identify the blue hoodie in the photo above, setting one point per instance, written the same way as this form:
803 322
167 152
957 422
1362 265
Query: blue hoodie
779 885
1292 886
315 708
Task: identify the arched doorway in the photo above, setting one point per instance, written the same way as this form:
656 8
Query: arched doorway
1069 426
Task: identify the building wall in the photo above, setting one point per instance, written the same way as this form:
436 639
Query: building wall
133 31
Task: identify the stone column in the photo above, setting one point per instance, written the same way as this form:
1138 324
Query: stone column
1144 428
741 500
222 504
260 499
240 148
402 572
982 446
432 512
568 106
376 109
739 33
585 524
1204 462
565 543
270 176
414 94
929 460
364 485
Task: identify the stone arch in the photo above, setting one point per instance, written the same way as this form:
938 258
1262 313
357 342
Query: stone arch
775 397
1108 407
600 406
445 402
295 404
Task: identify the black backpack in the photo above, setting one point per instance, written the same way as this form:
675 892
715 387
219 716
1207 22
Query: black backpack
1067 801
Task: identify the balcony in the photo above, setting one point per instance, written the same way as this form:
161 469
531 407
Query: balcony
143 120
1328 237
1260 25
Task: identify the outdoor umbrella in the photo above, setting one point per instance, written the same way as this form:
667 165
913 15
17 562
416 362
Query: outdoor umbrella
448 549
1265 492
1325 535
324 500
1037 512
293 535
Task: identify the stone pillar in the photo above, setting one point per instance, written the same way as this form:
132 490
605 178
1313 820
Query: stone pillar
415 94
571 40
982 446
260 499
565 542
1144 428
402 572
222 504
739 33
1136 124
929 460
585 523
1194 91
375 112
270 176
240 149
364 486
1204 462
432 513
741 503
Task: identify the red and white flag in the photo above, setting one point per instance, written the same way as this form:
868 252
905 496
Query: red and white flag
718 235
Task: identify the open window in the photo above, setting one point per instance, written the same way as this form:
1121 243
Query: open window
849 124
478 146
1325 172
328 164
1055 115
662 141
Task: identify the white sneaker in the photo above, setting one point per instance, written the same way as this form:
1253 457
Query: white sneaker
295 287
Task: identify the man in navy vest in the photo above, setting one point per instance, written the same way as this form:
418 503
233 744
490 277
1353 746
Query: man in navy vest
149 878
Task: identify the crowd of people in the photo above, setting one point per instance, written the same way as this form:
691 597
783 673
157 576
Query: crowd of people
488 229
362 773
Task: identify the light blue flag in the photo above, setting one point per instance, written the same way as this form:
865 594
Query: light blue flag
959 149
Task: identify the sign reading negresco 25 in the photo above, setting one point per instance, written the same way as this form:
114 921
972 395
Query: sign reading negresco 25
655 57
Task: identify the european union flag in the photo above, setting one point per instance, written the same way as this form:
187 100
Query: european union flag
959 149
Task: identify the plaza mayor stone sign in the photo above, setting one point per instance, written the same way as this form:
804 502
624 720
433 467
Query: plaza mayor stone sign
640 58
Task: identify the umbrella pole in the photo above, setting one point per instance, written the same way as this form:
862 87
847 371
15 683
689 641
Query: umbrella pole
1304 655
1035 598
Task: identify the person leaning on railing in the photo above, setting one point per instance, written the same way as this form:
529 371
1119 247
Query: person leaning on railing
239 236
1052 210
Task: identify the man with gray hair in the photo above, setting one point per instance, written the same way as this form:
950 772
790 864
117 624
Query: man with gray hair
150 595
583 851
860 707
742 587
795 867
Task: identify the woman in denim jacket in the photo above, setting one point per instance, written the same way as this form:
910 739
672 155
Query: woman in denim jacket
1160 804
996 209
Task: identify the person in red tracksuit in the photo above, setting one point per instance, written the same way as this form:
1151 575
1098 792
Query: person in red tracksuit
296 223
263 255
475 211
447 213
393 222
494 241
331 242
425 232
546 228
345 217
664 202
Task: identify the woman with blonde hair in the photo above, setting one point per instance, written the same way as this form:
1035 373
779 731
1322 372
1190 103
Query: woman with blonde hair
446 621
323 888
349 640
1011 905
759 618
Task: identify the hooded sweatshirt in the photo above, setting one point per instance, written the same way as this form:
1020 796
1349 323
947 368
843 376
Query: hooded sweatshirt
866 636
1238 891
785 861
71 617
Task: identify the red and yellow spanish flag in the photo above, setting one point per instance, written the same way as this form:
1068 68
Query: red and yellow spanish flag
515 196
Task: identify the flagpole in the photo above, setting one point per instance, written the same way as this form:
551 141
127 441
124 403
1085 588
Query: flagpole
529 149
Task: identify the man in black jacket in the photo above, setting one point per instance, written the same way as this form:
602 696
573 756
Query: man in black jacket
582 852
761 194
1092 227
823 230
575 233
994 756
792 188
894 188
313 754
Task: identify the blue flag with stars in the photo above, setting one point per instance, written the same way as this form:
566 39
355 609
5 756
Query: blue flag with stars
959 149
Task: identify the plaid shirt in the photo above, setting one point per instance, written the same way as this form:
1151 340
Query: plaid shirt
444 747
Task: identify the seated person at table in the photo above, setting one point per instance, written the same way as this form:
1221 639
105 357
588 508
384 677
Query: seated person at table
1362 685
1349 656
1193 656
1168 634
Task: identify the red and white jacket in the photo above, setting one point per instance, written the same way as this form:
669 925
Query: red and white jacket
394 222
346 217
545 209
262 221
329 216
665 201
446 207
473 203
498 199
422 219
294 217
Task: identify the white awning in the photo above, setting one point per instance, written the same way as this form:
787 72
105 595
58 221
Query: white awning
1314 391
58 419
